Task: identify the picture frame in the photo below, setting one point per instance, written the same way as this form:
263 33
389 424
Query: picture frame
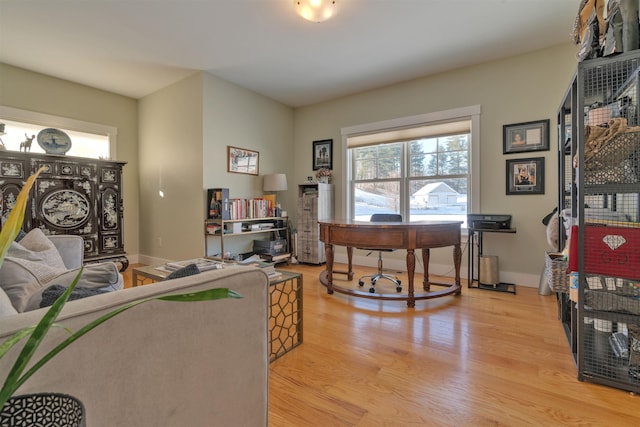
525 137
525 176
323 154
242 160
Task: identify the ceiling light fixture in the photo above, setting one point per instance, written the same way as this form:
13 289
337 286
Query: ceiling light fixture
315 10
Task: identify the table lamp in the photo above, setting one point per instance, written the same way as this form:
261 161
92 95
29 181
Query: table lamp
274 183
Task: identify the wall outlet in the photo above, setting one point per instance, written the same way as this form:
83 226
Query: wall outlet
159 241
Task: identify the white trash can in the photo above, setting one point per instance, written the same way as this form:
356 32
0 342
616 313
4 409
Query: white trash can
489 273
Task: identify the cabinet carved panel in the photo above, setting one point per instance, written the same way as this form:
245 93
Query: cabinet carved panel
72 195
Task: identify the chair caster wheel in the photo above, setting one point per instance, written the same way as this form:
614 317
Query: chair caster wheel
372 290
398 289
360 283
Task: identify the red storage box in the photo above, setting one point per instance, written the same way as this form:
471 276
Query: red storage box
610 251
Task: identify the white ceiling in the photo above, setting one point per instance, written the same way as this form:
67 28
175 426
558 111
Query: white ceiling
135 47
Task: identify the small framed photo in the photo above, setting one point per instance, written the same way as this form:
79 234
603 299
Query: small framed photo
525 137
525 176
241 160
323 154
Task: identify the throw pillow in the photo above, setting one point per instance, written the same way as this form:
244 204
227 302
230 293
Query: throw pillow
189 270
53 292
28 266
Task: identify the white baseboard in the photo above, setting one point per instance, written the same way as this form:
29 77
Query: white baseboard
391 264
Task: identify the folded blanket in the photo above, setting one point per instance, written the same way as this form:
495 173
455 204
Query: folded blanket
53 292
608 301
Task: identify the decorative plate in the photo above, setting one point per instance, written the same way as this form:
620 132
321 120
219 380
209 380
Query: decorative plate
54 141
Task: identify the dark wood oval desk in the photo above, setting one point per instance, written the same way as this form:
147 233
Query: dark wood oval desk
392 235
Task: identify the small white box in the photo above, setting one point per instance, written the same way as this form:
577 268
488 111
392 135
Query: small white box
237 227
598 116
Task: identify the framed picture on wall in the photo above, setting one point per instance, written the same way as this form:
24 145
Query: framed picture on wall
241 160
525 176
525 137
323 154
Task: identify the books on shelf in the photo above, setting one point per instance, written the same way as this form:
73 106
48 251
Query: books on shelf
251 208
203 264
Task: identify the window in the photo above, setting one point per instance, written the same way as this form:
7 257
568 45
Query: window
421 169
87 139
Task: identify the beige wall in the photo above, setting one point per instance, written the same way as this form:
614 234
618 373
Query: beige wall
518 89
184 133
170 148
238 117
26 90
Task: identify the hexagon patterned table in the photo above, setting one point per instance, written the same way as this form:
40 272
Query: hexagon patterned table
285 320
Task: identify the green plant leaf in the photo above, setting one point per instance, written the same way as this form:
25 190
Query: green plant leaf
14 339
18 336
11 228
209 294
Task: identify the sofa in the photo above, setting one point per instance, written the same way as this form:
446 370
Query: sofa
35 261
162 363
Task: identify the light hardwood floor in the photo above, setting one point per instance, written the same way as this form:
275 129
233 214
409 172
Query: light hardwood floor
480 359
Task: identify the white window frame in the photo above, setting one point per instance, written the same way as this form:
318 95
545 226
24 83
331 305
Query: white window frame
48 120
471 113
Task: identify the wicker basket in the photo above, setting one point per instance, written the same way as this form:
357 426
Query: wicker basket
616 162
555 270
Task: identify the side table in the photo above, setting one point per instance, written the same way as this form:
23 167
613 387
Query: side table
285 318
285 303
471 278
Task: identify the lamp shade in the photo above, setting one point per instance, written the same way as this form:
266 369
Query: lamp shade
275 182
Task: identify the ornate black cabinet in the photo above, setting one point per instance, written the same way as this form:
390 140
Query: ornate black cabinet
73 195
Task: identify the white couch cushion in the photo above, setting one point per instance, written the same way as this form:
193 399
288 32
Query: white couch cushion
6 308
28 265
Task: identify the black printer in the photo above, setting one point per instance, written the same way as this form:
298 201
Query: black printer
489 221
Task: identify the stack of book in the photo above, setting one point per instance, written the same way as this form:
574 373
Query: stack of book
267 267
203 264
276 259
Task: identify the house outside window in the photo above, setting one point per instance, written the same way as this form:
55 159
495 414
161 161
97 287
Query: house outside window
423 171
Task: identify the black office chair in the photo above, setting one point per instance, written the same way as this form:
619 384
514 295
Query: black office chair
380 275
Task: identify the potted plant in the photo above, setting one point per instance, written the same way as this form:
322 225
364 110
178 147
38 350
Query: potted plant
18 374
324 175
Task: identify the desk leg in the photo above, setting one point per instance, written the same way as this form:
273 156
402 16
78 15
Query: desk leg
457 258
426 255
350 264
328 252
134 278
411 268
470 253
